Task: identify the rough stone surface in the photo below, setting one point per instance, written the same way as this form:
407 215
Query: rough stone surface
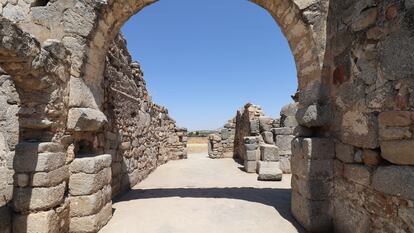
269 170
269 153
398 152
395 180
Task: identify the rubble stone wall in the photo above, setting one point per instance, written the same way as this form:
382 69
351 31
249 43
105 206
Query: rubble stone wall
352 160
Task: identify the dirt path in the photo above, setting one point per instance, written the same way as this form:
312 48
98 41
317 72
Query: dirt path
201 195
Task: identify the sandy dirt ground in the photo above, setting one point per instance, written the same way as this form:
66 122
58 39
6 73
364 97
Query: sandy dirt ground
197 145
201 195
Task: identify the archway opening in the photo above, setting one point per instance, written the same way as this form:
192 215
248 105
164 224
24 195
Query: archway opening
210 57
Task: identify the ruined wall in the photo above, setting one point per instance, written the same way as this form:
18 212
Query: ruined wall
140 135
352 160
372 65
220 145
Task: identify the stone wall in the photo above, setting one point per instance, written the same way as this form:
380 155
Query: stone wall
372 96
252 122
60 167
352 159
221 145
140 135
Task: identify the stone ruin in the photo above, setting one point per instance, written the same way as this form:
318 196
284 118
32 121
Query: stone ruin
255 138
67 95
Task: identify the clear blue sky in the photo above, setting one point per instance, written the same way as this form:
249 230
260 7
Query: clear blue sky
204 59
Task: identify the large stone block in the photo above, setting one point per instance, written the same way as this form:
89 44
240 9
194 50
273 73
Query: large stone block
313 148
35 199
40 222
398 151
395 118
86 205
92 223
314 116
269 152
265 123
313 215
356 173
254 127
284 143
85 119
42 162
269 171
395 180
250 166
311 169
268 137
252 155
350 219
394 133
32 148
344 152
360 129
284 161
91 165
283 131
49 179
314 188
289 110
86 184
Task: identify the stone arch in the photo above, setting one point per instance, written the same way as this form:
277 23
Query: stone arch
303 24
305 35
36 74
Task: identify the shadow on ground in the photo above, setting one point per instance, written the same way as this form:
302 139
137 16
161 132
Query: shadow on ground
277 198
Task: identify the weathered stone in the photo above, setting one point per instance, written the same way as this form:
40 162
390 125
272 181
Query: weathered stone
269 152
407 214
289 110
313 189
290 121
284 143
344 152
86 205
398 151
313 116
251 140
395 118
394 133
349 219
252 155
86 184
254 127
40 222
49 179
38 198
395 180
310 169
43 162
5 219
365 19
265 123
313 148
92 223
85 119
283 131
268 137
357 173
91 165
300 131
250 166
269 171
371 158
360 130
284 162
311 214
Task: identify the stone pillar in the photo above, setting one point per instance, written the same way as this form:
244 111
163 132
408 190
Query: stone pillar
39 200
252 154
312 180
90 193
